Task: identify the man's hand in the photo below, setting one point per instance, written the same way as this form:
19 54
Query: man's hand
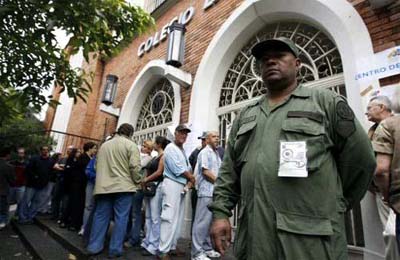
221 234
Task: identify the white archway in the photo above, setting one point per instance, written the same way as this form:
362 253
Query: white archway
150 74
336 18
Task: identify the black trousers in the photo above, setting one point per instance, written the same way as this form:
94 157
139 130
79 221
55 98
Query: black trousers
73 215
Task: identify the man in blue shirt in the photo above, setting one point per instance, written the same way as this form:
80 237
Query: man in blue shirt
208 164
177 174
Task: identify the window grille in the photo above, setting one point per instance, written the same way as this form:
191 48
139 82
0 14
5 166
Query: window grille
156 113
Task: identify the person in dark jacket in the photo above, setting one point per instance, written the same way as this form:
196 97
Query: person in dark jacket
38 171
7 178
17 190
75 181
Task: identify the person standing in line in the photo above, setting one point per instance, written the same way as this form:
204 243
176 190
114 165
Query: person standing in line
7 178
137 203
386 143
154 174
18 188
77 187
89 198
379 108
208 164
291 162
59 200
37 171
193 161
177 173
117 179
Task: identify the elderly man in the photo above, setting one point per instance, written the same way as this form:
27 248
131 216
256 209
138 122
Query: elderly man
291 161
177 173
117 180
380 108
208 164
386 143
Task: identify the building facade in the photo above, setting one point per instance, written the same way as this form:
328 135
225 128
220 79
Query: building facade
341 43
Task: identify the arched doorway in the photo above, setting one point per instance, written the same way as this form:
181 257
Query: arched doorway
156 113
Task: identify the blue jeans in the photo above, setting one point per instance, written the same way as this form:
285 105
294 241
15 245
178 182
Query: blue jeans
30 204
106 205
3 209
134 234
15 196
45 198
89 203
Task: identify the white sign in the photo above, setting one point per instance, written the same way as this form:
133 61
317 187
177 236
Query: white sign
380 65
183 18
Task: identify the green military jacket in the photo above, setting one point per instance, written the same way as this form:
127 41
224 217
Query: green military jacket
285 217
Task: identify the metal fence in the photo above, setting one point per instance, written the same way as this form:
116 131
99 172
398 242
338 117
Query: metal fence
58 141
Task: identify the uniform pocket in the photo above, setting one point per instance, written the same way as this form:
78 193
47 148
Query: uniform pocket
310 131
304 237
242 140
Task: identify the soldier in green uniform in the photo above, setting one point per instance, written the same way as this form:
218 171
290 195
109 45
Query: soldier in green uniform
296 160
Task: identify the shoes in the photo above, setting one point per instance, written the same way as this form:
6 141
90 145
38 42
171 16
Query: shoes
135 247
73 229
212 254
164 257
201 257
81 232
2 225
27 222
62 225
114 256
145 252
177 252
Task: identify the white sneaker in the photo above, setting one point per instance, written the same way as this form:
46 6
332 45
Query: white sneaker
80 233
201 257
213 254
2 225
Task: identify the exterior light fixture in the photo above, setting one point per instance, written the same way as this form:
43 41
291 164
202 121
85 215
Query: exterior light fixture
176 45
109 90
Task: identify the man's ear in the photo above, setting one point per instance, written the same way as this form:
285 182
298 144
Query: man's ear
298 64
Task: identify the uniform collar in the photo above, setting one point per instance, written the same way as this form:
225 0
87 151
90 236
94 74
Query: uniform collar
301 91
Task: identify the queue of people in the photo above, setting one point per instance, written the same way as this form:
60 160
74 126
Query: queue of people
290 161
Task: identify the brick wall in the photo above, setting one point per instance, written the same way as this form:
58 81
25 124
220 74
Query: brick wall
87 119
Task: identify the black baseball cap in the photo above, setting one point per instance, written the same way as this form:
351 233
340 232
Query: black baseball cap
276 43
182 127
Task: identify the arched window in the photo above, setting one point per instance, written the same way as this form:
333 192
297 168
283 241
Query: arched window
321 66
156 113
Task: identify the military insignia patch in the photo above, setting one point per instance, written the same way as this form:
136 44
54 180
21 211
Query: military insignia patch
344 111
345 125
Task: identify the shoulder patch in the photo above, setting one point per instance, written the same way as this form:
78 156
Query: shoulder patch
345 125
344 111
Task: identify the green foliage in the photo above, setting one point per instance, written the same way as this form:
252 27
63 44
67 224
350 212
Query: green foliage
27 132
30 58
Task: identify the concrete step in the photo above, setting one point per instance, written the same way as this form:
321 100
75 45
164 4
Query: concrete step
11 247
40 244
68 239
